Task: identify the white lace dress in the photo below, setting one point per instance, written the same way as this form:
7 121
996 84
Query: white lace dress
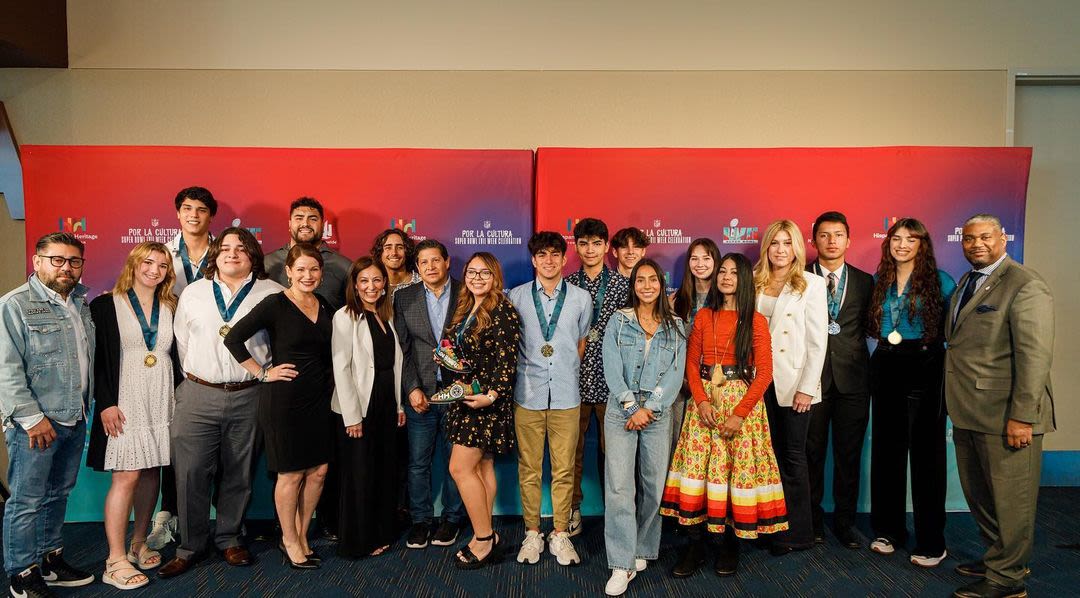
145 396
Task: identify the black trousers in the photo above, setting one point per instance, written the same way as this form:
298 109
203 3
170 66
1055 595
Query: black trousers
909 419
788 430
848 414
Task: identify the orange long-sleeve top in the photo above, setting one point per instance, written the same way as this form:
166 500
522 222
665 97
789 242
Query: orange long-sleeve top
709 344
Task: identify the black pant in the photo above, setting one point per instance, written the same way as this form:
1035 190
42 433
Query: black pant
909 417
848 413
788 430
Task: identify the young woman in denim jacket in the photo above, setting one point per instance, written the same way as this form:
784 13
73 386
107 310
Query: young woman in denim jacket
644 361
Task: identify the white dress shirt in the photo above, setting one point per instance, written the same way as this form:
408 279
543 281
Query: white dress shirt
197 326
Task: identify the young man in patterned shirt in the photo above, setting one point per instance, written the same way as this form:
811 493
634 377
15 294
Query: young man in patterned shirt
608 290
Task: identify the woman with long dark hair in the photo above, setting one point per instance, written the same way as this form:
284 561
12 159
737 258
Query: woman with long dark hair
724 477
698 283
907 317
644 362
485 330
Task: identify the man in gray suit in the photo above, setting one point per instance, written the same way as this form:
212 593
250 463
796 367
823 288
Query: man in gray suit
421 312
1000 334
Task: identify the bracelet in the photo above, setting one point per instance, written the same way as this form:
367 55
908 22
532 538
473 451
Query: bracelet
264 373
490 396
632 409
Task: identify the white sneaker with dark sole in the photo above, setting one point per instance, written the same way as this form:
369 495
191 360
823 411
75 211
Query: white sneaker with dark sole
882 546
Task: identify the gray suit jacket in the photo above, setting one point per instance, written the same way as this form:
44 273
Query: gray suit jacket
997 366
413 327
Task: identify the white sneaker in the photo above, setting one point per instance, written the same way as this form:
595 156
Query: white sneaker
574 527
531 548
640 565
882 546
928 561
560 546
618 582
161 534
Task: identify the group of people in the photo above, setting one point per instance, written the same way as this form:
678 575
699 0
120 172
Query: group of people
714 406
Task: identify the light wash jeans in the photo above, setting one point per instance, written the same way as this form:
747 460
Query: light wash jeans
632 515
40 481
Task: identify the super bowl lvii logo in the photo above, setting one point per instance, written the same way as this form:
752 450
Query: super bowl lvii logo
740 235
407 226
72 225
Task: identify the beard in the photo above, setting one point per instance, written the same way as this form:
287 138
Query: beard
316 236
63 286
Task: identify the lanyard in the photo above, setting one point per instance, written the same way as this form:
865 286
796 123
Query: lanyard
149 330
836 297
228 312
461 329
548 328
895 305
598 300
188 273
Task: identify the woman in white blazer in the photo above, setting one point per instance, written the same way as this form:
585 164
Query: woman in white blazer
794 301
367 399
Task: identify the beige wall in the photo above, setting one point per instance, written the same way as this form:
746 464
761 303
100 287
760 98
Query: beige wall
574 35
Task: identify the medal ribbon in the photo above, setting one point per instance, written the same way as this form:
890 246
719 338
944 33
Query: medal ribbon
548 328
189 274
895 303
461 329
149 330
228 312
598 300
837 294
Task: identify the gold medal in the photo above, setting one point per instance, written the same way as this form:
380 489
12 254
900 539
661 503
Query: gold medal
150 360
224 330
547 350
895 337
594 335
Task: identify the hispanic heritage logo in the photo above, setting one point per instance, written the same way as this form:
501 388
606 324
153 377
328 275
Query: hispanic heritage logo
487 233
886 223
77 227
740 235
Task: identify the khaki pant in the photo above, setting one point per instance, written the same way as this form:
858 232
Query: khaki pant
560 428
587 411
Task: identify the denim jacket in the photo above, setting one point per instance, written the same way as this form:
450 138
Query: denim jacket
39 367
654 379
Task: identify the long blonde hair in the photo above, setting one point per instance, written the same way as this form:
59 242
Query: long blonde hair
140 252
763 270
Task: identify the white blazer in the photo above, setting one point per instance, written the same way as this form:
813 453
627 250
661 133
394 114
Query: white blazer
800 336
354 367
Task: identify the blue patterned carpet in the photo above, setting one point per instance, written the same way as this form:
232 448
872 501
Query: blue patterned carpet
828 570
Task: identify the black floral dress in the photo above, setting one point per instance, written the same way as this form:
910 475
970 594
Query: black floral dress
494 359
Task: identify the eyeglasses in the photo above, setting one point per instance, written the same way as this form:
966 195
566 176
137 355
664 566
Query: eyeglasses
481 274
58 261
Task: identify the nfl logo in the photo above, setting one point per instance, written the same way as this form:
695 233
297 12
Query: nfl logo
487 224
153 222
656 223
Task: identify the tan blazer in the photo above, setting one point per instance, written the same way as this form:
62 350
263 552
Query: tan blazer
997 365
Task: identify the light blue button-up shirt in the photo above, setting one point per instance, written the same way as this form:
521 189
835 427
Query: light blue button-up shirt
436 311
550 382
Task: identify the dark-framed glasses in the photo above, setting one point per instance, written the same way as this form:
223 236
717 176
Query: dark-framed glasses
58 261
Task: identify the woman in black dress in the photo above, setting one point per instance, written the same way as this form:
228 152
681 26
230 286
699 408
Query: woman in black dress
294 412
367 401
486 330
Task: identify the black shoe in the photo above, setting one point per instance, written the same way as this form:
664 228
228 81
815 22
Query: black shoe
329 534
446 534
307 563
56 572
29 584
693 557
465 559
978 569
984 588
726 563
779 549
418 535
848 538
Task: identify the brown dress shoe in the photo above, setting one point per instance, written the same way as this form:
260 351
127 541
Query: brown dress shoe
175 567
237 556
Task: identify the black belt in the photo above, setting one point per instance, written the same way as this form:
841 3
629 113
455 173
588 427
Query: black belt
731 372
226 386
916 345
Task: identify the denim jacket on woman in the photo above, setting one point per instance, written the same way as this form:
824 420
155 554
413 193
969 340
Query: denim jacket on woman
654 379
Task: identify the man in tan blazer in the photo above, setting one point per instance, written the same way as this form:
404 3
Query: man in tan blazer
1000 334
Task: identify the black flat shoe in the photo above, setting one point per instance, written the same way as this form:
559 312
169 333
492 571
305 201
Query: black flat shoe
692 559
779 550
848 538
308 563
726 563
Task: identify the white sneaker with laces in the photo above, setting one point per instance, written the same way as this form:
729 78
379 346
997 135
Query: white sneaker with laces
560 546
574 527
882 546
640 565
531 548
161 534
616 585
928 562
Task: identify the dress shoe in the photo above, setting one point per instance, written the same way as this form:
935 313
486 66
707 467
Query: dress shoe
175 567
726 563
984 588
237 556
819 537
779 549
307 563
978 569
329 535
848 538
693 557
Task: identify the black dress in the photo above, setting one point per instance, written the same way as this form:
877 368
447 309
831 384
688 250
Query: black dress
293 415
494 357
369 464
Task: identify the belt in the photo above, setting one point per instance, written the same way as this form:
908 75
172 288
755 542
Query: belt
730 371
226 386
909 346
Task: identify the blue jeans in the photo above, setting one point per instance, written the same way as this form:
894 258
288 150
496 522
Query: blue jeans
632 515
40 481
424 430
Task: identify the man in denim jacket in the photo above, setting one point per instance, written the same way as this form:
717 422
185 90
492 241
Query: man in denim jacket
46 379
